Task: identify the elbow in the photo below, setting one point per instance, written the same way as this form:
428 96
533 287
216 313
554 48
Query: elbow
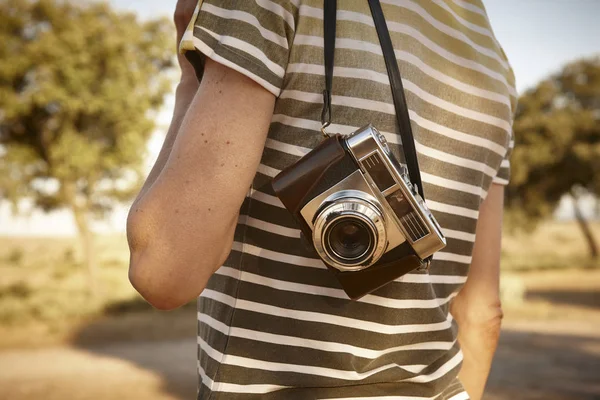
165 269
482 316
156 294
152 274
165 282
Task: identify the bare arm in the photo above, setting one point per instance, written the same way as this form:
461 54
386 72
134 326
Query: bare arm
477 308
181 229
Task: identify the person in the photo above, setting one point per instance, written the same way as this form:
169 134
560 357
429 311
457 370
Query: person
273 321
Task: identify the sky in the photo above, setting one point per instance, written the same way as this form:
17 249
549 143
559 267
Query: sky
538 37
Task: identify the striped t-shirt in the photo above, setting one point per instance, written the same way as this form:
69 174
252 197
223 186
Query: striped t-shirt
273 322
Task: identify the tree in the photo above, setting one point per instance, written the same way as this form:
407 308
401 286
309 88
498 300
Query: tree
557 145
78 87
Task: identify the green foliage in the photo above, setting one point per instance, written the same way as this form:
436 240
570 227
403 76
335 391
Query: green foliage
79 85
557 142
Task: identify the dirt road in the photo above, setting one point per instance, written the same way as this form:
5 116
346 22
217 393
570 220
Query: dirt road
551 361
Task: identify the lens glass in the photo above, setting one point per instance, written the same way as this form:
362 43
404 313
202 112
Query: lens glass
349 239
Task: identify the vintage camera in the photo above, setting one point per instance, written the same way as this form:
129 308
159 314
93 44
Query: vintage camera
356 205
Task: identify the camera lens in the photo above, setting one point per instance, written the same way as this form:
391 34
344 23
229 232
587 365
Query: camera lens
349 239
349 232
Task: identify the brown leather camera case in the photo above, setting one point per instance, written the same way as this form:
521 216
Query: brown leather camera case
325 166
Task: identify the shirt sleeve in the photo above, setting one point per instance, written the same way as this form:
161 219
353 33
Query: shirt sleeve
503 174
253 37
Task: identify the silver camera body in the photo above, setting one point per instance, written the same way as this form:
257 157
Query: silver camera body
371 211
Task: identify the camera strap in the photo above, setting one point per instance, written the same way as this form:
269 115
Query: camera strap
402 117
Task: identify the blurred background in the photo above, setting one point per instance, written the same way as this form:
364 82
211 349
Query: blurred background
86 91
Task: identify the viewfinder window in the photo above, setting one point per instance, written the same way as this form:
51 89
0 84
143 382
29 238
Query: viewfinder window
375 167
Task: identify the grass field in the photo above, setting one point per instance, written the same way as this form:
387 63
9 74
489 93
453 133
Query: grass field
44 296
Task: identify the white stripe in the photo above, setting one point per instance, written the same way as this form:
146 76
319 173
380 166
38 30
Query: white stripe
505 163
458 110
442 255
428 178
442 51
210 53
470 7
248 49
455 160
268 227
287 148
455 33
277 256
500 181
209 383
432 205
316 263
415 34
248 18
360 45
334 293
420 121
466 23
246 362
451 184
454 210
234 388
456 135
371 75
473 27
344 15
433 279
460 396
279 11
441 371
466 236
266 198
266 170
393 138
325 318
295 233
332 347
388 108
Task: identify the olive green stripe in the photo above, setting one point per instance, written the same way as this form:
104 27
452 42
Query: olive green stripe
242 59
378 91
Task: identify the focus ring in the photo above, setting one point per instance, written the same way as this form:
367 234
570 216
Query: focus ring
351 208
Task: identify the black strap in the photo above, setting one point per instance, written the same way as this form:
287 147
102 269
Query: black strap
329 23
408 143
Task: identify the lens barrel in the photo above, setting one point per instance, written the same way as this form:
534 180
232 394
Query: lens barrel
349 239
349 234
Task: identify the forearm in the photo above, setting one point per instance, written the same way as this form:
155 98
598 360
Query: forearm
478 338
477 308
184 94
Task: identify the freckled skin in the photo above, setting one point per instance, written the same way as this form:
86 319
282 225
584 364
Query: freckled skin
170 271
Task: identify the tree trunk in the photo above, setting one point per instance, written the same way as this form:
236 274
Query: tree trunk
87 240
585 228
